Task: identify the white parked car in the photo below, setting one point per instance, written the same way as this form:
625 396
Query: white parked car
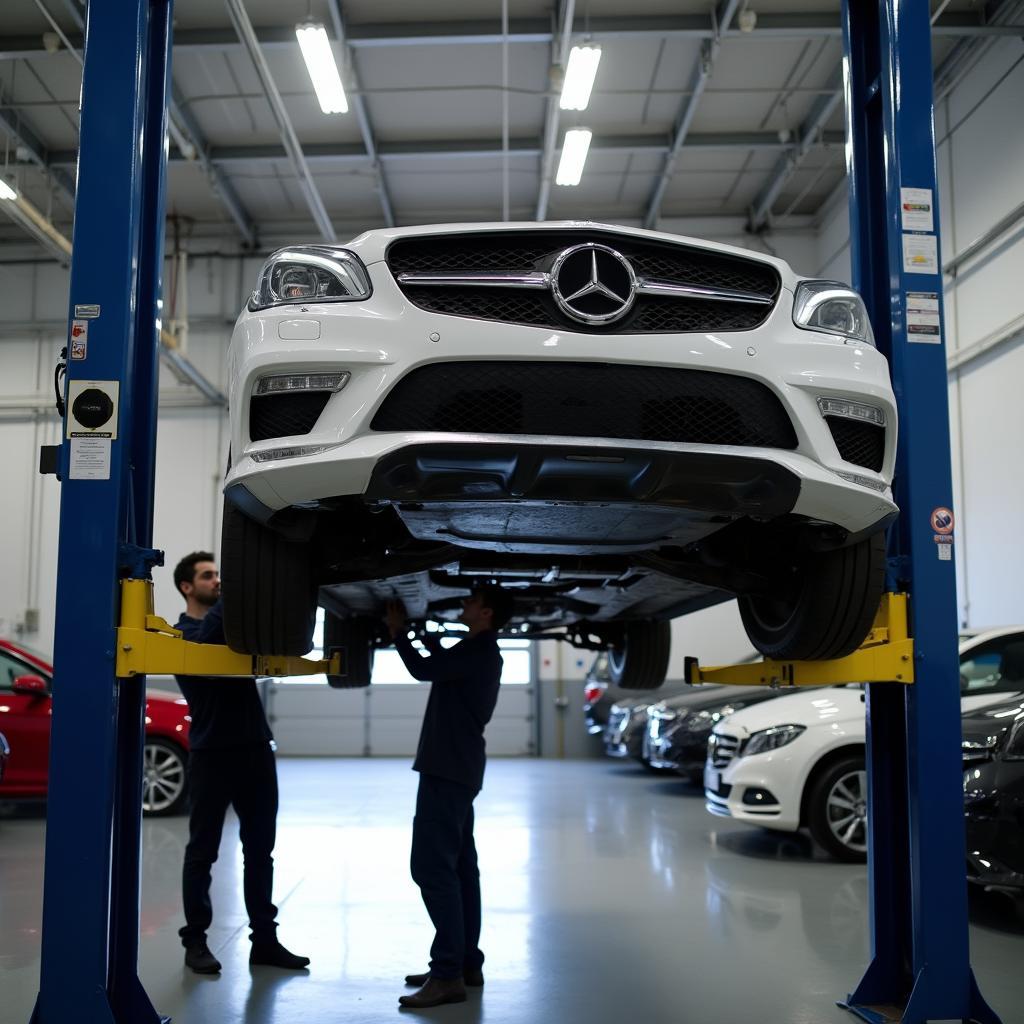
618 425
799 761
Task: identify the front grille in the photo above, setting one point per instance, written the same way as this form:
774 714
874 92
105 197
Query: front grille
285 415
863 444
576 400
722 749
528 251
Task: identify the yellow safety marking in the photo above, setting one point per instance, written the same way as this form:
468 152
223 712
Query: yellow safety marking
149 645
886 656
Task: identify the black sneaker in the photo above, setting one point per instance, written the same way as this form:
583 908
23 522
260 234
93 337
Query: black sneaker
201 960
273 954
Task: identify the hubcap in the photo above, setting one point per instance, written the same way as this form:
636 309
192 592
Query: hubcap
847 810
163 778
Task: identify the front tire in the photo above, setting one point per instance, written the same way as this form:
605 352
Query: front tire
824 609
355 638
164 778
268 591
640 660
837 809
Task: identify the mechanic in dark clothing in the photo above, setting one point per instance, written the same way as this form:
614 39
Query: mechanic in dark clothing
450 760
231 763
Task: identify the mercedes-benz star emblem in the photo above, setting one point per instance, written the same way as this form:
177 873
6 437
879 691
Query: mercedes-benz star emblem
593 283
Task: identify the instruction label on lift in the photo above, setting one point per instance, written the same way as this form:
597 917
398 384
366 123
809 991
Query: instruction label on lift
90 458
923 323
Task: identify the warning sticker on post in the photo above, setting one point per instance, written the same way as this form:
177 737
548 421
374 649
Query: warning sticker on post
924 325
916 209
920 254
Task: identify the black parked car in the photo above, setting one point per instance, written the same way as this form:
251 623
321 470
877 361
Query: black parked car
676 737
627 721
993 751
600 695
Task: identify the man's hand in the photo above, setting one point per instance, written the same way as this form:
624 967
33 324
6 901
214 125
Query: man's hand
395 618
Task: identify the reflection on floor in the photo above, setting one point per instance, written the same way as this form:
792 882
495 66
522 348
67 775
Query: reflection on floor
610 896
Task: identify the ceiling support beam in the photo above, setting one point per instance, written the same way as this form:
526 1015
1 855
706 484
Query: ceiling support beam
709 50
30 143
810 132
247 36
189 139
362 114
483 148
956 24
559 58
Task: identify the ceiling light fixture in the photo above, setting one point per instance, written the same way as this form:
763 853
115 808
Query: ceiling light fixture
323 71
579 77
574 155
6 192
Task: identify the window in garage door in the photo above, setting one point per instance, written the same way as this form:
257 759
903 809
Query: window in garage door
384 719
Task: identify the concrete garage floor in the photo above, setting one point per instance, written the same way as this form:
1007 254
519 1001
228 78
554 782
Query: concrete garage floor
610 896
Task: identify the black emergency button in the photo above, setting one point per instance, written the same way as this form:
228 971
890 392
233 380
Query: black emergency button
92 408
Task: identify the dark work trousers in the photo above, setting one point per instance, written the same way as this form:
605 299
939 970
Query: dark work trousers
444 866
245 778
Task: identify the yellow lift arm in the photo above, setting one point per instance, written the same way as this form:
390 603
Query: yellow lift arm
149 645
886 656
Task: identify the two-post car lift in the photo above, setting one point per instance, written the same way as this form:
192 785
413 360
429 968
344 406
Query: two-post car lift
107 637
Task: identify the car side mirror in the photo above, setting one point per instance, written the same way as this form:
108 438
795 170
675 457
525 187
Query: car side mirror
31 686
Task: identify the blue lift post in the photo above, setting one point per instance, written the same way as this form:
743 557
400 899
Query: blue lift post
920 969
90 935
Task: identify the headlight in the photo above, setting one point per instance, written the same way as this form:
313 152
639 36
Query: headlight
771 739
832 307
310 273
704 720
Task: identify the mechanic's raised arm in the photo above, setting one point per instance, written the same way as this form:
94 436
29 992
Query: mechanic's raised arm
439 666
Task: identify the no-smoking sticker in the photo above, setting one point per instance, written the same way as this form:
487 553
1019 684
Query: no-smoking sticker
942 521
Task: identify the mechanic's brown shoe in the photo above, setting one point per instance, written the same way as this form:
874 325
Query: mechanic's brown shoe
436 992
472 979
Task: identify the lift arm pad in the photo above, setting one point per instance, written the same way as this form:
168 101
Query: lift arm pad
148 645
886 656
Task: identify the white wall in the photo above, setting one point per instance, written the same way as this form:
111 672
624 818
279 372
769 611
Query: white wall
980 133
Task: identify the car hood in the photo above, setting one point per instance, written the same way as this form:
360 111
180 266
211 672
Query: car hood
646 698
707 698
808 708
990 725
159 697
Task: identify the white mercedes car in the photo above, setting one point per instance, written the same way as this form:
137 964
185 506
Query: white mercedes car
617 425
798 761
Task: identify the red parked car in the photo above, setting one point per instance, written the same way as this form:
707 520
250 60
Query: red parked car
25 708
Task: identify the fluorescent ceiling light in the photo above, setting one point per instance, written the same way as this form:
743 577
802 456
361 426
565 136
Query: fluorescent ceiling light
323 71
574 156
6 192
579 77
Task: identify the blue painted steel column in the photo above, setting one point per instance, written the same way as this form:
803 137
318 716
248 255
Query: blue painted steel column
90 908
920 958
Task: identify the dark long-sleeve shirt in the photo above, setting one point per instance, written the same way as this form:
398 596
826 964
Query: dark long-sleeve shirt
465 682
226 711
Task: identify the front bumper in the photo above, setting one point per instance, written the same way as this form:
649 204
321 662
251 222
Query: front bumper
381 340
725 789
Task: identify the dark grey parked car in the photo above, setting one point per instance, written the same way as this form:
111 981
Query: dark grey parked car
600 695
676 737
627 720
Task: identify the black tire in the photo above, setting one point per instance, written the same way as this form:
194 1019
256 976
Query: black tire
827 607
355 637
832 788
165 779
267 587
640 661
